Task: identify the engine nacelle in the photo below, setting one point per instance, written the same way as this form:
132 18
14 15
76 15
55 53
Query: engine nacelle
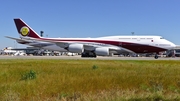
76 48
103 51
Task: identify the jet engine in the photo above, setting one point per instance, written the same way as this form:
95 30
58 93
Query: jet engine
76 48
103 51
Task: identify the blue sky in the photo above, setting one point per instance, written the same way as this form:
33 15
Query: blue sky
91 18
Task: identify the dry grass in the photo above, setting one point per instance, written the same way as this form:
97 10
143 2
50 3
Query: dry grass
90 80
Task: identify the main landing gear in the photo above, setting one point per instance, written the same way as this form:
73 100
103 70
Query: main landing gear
89 54
156 56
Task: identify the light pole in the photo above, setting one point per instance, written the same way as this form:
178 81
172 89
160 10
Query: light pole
41 32
132 33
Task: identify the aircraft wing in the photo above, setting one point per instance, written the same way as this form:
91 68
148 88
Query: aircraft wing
86 46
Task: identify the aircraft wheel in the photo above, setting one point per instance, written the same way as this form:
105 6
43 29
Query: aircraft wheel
83 55
156 57
94 56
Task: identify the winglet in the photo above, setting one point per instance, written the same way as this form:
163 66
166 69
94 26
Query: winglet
24 30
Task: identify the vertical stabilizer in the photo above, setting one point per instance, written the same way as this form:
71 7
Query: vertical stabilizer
24 30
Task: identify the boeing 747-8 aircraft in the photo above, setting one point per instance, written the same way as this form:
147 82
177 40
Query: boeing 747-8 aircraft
104 46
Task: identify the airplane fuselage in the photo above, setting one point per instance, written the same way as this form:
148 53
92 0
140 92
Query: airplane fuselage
137 44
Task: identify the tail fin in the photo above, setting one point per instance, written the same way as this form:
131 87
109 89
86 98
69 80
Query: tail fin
24 30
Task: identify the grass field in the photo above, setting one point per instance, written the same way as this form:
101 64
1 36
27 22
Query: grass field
89 80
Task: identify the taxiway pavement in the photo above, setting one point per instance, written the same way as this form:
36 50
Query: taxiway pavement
79 58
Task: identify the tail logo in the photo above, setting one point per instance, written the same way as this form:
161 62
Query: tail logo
24 31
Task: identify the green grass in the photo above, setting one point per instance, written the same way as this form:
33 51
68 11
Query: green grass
89 80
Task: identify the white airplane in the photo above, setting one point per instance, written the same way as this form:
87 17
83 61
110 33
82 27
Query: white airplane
103 46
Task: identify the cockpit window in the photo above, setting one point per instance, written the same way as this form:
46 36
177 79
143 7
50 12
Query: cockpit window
161 38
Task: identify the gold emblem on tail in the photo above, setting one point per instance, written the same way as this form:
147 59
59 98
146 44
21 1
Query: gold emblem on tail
24 31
